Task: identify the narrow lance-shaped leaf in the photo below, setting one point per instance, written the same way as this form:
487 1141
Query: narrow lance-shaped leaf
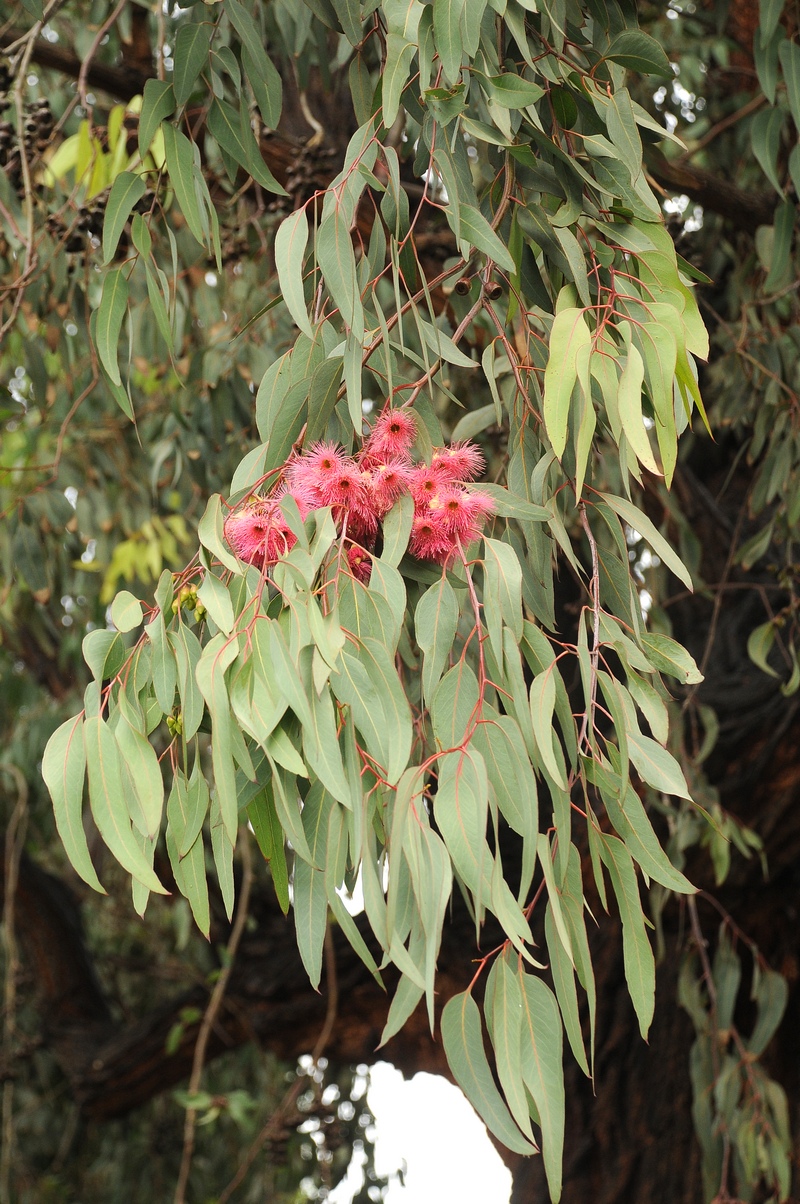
463 1044
63 769
290 246
640 972
435 623
503 1007
568 335
543 1072
107 799
158 103
639 521
190 56
126 190
110 313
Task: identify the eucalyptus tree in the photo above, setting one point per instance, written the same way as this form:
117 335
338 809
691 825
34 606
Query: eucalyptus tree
361 467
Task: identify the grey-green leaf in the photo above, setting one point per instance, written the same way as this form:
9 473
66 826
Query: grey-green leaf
463 1044
63 769
126 190
110 313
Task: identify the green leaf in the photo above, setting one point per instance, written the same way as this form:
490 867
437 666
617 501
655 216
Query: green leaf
621 124
770 12
564 983
263 816
629 402
158 103
543 1072
772 996
454 707
159 307
460 807
637 51
759 644
197 802
186 648
397 530
139 755
543 701
210 531
569 336
163 666
656 766
190 56
504 580
475 231
234 134
290 247
107 800
338 265
789 55
503 1009
183 173
367 681
110 313
126 611
63 769
222 849
399 56
126 190
511 777
447 33
765 139
104 653
435 623
349 14
463 1045
259 68
631 822
321 747
28 558
640 971
639 521
668 656
190 878
309 897
217 655
511 90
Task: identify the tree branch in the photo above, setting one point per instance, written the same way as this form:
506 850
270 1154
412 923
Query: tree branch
123 82
746 210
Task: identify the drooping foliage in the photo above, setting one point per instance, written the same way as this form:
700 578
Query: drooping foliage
337 641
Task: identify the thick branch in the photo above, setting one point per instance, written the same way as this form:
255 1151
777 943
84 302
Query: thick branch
124 82
746 210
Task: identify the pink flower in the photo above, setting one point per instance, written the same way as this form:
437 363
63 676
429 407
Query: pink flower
459 461
362 522
463 511
312 472
430 539
359 563
258 533
343 487
392 436
302 502
386 483
426 482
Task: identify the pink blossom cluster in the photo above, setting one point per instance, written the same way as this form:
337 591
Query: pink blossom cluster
361 490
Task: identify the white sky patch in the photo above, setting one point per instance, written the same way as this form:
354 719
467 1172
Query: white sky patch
425 1127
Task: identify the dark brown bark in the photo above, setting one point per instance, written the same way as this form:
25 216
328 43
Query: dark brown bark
743 209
